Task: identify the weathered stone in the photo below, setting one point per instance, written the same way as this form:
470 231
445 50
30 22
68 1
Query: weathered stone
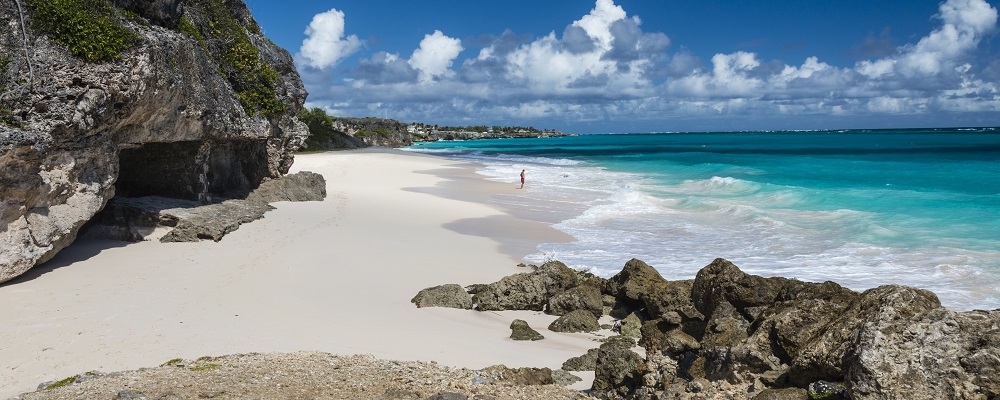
639 286
140 218
583 297
936 354
615 370
564 378
448 396
300 186
672 317
518 376
528 290
783 394
586 362
656 336
162 117
521 331
575 321
631 326
450 295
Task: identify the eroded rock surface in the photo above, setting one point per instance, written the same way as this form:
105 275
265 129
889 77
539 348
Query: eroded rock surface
728 334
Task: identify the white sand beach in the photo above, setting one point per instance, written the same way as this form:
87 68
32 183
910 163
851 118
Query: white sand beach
334 276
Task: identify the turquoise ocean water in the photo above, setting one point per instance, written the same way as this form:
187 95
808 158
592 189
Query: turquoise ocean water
863 208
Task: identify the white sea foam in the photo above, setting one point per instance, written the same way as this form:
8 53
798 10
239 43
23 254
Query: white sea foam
764 229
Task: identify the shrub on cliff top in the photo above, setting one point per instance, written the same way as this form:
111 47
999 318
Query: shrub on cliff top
89 28
227 42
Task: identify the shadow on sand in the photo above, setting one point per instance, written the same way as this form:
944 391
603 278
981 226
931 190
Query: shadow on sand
80 250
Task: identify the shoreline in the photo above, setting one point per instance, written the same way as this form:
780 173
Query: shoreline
333 276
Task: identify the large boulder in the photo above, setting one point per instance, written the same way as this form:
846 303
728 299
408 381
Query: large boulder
450 296
616 368
527 290
171 115
575 321
584 297
640 287
897 354
520 330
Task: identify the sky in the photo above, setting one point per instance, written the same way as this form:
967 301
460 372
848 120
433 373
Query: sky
619 66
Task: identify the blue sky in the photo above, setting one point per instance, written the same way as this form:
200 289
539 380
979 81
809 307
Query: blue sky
647 66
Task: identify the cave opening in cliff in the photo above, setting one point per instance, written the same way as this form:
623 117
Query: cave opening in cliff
206 171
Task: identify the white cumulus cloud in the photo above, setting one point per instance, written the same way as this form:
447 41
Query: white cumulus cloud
604 68
325 44
435 55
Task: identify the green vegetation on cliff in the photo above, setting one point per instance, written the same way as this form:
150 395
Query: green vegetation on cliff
91 29
322 134
227 42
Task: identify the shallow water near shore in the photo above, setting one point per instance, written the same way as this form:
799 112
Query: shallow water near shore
863 208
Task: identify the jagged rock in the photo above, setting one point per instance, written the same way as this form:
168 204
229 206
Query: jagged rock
639 286
583 297
564 378
616 366
518 376
756 324
783 394
656 336
586 362
521 331
300 186
178 220
936 354
528 290
448 396
162 120
450 295
575 321
631 326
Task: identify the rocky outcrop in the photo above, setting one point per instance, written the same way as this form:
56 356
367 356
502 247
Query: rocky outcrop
450 295
528 290
728 334
177 220
520 330
575 321
308 375
758 336
183 111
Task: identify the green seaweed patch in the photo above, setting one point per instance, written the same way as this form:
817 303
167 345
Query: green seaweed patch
172 362
91 29
62 383
228 42
206 367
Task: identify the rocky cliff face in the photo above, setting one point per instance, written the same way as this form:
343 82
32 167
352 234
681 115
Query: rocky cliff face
197 104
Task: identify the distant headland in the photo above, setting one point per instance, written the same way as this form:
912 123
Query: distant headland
328 132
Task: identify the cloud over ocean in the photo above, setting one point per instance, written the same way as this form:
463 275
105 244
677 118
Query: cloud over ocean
605 70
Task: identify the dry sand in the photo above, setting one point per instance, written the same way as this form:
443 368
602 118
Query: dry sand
334 276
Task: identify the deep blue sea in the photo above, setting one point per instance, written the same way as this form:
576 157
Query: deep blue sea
863 208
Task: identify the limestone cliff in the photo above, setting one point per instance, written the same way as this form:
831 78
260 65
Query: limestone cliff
178 98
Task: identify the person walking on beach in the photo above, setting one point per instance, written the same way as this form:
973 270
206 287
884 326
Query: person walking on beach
522 180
